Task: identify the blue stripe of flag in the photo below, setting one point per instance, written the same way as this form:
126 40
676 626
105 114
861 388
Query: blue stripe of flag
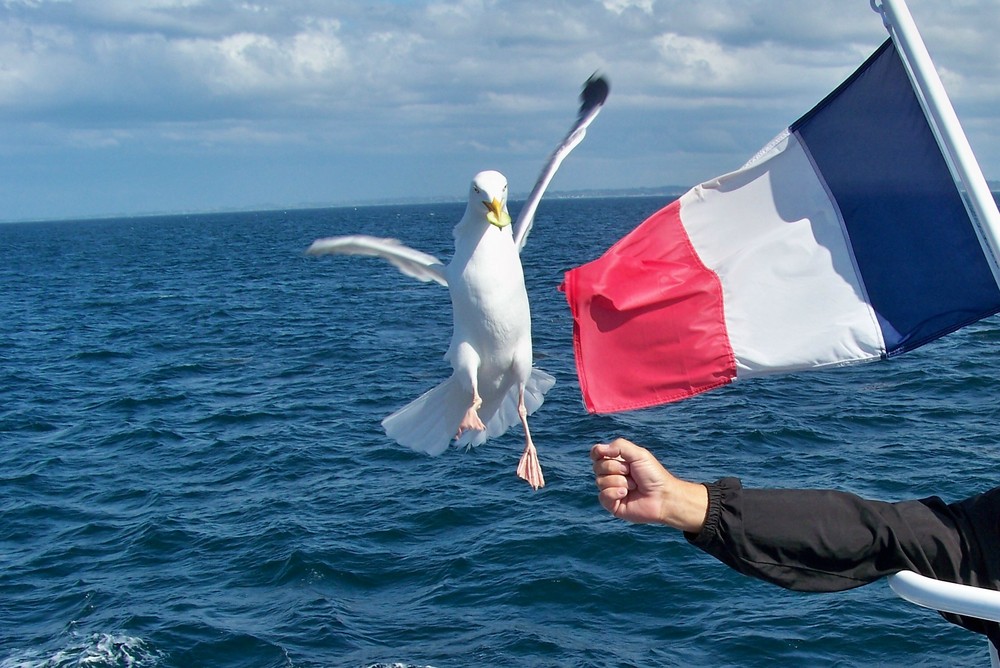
916 249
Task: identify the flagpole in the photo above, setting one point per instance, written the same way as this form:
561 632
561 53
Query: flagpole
904 34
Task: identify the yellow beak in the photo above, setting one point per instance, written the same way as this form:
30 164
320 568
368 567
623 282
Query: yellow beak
495 213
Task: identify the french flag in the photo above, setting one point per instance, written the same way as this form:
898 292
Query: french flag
844 240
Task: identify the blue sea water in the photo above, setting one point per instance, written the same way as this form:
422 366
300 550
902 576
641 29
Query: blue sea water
192 471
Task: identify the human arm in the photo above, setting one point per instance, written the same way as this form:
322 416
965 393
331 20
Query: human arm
809 539
802 539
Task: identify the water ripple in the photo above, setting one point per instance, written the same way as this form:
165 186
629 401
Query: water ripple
193 473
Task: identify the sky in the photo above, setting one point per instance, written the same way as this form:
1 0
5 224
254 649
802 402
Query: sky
128 107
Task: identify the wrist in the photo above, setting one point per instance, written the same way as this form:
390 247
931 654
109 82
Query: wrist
685 506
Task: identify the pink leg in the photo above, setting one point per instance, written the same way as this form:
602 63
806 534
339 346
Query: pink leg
528 468
471 419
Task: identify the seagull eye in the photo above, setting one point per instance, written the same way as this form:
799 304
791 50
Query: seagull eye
476 188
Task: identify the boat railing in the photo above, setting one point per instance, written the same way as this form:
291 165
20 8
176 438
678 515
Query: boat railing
950 597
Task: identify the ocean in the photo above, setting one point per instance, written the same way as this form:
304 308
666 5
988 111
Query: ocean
193 473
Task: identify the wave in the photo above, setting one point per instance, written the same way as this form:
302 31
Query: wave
91 651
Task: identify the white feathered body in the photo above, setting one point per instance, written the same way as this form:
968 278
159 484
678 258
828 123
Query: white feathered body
491 341
487 285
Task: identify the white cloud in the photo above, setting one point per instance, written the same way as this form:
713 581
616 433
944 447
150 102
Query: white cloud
137 57
619 6
248 63
443 81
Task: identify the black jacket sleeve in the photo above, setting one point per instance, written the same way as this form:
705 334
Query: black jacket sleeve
825 540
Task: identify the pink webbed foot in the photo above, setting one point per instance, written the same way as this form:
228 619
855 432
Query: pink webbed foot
529 469
470 421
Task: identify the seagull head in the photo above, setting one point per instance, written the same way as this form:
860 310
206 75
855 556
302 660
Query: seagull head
489 189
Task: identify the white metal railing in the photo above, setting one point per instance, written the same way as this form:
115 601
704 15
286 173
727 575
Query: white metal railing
958 599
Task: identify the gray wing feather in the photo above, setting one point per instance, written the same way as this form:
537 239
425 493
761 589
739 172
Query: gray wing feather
595 92
417 264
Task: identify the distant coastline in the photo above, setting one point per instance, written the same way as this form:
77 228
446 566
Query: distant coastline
661 191
664 191
598 193
593 193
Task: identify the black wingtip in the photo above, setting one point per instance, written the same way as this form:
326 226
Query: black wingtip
595 92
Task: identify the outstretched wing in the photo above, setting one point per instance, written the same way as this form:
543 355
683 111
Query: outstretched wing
417 264
595 92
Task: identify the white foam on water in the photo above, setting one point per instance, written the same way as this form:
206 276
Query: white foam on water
97 650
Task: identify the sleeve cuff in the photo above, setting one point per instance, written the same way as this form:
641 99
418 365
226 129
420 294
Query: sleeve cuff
716 491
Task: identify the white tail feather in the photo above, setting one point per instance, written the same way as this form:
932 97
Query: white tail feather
428 423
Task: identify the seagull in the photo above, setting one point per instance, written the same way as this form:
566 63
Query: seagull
493 384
